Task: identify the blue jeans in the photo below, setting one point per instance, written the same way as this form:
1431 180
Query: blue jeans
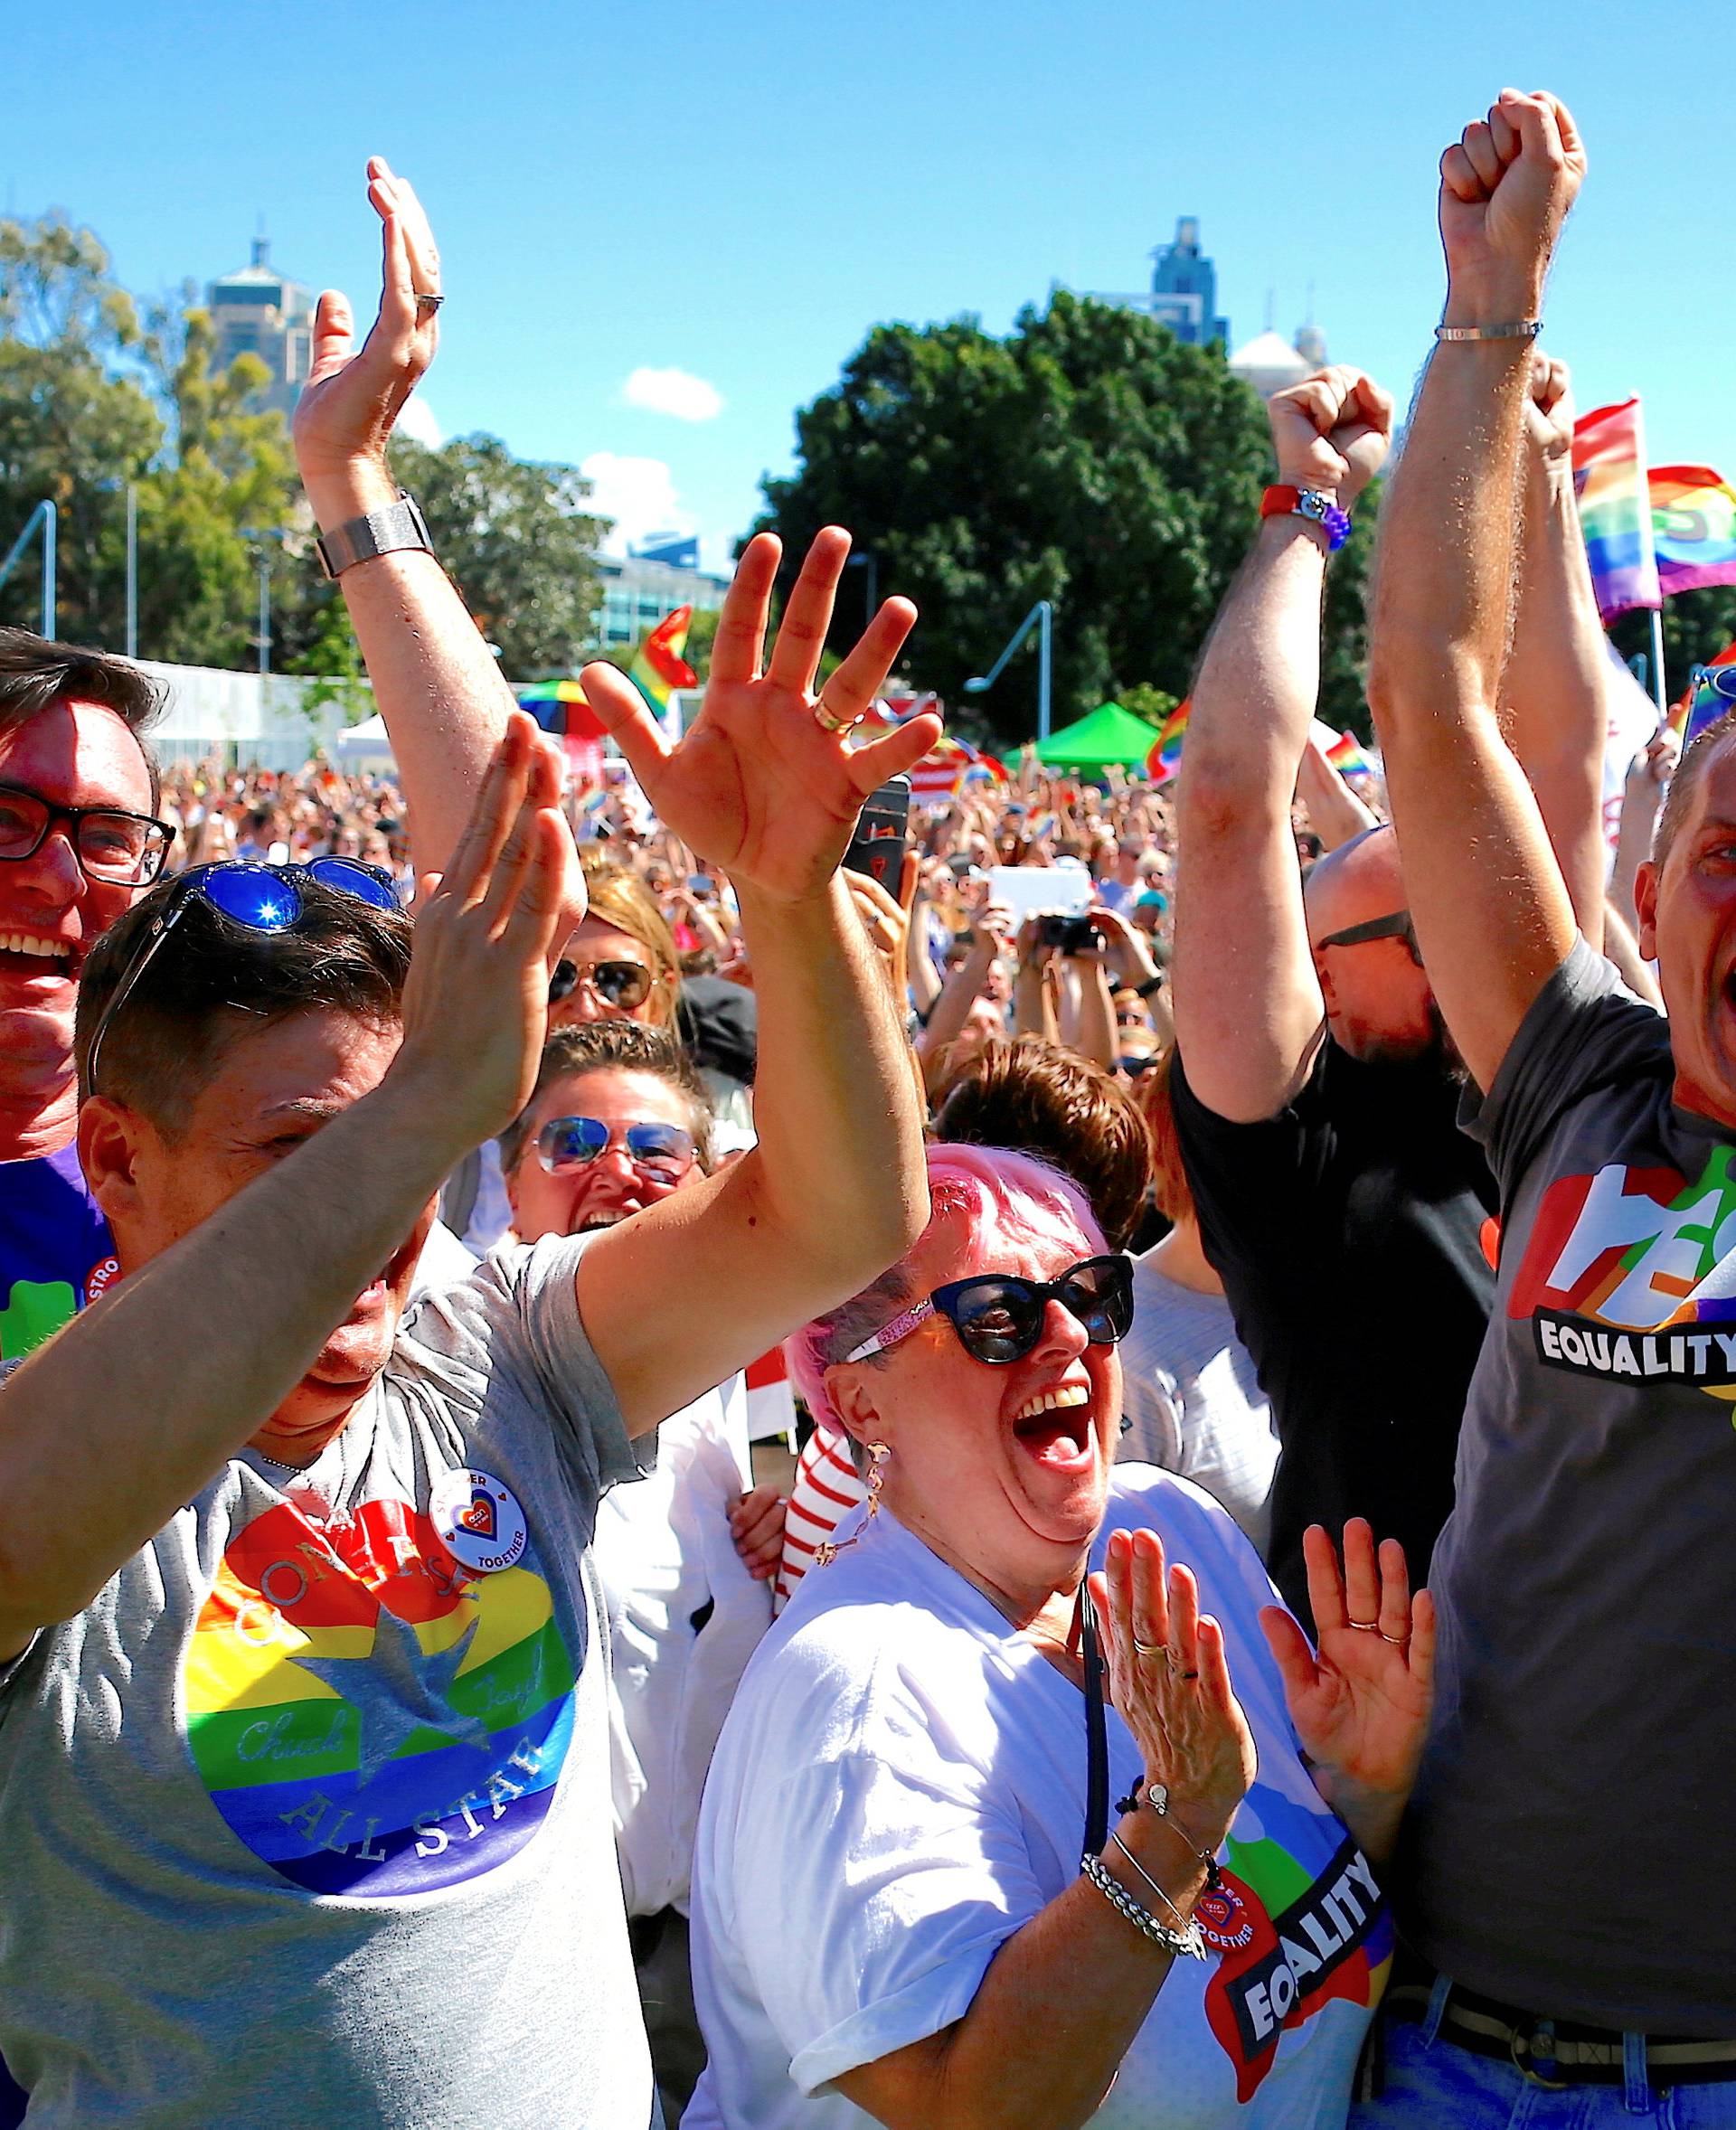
1436 2084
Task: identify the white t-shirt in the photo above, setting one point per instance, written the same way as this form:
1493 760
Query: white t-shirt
684 1615
901 1786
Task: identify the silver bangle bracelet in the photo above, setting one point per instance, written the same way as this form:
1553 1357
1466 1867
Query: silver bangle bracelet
1181 1920
1189 1942
1512 329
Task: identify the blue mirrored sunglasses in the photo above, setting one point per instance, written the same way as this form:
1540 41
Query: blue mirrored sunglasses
262 898
568 1143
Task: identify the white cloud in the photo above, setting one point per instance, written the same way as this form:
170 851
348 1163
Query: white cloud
639 494
417 423
674 391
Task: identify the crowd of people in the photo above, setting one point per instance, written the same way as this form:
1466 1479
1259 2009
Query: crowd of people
1246 1639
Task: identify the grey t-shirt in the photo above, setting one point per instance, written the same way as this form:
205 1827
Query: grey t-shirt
1570 1847
305 1824
1192 1400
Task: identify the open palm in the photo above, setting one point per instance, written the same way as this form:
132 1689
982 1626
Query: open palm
758 786
1360 1702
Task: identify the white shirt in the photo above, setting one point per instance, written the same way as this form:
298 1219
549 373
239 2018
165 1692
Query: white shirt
901 1786
684 1615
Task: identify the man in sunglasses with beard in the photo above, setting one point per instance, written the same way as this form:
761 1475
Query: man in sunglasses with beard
1316 1097
296 1630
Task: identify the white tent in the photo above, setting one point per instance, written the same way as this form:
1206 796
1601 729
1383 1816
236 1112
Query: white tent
363 749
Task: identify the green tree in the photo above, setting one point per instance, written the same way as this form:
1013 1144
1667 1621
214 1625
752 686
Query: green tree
77 421
518 543
1153 704
1090 458
1697 626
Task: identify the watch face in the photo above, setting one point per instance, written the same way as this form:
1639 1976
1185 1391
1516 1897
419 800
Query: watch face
1311 504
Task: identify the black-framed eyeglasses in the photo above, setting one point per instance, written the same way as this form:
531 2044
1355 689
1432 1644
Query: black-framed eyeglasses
1396 926
260 897
623 985
568 1142
998 1316
126 850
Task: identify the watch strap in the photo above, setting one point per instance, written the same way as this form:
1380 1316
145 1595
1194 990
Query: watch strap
1312 504
400 526
1150 985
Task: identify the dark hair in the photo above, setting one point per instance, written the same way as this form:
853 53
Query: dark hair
1169 1185
212 980
613 1046
36 673
1689 772
1029 1094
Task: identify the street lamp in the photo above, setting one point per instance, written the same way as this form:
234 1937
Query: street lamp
257 536
1042 616
51 521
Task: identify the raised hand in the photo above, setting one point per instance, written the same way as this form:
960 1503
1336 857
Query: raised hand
488 935
353 397
1549 413
1360 1702
1169 1678
1332 431
758 786
1506 185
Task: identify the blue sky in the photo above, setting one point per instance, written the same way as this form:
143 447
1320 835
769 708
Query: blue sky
738 192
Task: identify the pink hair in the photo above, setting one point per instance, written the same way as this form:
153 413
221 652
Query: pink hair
991 1188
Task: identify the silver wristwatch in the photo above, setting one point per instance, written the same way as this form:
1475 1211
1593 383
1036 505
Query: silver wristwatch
379 532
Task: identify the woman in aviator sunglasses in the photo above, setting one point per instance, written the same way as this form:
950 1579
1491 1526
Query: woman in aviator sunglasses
974 1848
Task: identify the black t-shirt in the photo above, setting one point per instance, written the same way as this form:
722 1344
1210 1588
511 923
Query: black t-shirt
1351 1231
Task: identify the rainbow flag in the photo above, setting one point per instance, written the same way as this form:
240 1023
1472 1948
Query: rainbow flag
659 669
1166 757
1708 695
1615 509
1348 759
1693 527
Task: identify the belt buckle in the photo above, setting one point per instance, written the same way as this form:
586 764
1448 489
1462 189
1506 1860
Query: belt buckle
1543 2031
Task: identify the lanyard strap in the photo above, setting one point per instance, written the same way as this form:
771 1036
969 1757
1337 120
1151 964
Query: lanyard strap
1097 1736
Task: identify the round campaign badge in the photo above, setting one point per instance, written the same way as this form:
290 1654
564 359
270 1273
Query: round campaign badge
477 1518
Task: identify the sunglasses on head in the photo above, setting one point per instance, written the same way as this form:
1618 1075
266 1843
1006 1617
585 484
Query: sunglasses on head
1396 926
568 1142
998 1316
625 984
260 898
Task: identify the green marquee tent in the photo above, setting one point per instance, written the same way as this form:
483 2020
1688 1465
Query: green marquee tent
1110 735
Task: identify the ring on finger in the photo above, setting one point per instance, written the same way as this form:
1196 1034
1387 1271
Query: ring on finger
426 300
1366 1626
829 720
1149 1649
1398 1641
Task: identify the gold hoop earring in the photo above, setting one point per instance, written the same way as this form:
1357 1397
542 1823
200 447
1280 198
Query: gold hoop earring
826 1552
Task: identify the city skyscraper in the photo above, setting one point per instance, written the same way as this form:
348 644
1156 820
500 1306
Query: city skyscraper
258 311
1184 293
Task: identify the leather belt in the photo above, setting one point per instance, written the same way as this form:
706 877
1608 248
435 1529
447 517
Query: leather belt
1560 2052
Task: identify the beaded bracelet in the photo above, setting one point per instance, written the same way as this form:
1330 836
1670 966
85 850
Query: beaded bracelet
1190 1942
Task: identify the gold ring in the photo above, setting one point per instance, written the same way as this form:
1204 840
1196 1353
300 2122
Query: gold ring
1398 1641
1366 1626
828 720
1149 1649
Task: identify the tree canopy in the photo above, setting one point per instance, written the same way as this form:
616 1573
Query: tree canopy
1090 458
97 394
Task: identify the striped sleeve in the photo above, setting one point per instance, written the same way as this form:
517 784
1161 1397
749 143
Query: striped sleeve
825 1488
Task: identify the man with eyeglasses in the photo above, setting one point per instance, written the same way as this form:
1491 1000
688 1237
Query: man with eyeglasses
79 841
1314 1094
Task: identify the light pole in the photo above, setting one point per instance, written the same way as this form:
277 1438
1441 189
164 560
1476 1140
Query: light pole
50 518
258 536
1042 616
132 568
867 560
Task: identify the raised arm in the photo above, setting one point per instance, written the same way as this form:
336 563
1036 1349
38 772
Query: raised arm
678 1299
1492 915
1248 1013
89 1477
1554 690
438 686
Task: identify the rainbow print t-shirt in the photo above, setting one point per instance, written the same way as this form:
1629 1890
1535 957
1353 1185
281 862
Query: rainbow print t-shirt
324 1769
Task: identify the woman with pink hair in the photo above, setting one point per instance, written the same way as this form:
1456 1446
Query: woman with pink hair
914 1901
